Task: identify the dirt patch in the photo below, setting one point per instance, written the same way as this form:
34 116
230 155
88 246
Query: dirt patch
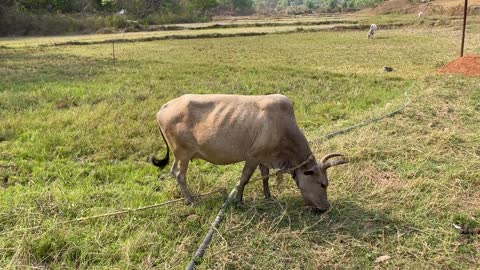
468 65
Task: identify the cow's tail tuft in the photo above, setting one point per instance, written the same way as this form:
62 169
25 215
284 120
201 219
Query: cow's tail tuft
161 163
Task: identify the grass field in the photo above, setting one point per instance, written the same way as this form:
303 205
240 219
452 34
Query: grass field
76 134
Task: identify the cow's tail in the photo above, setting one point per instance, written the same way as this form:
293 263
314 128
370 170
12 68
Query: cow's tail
161 163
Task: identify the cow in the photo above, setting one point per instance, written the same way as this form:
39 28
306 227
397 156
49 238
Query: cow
371 32
226 129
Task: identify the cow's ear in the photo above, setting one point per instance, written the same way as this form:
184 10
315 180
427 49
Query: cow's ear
308 172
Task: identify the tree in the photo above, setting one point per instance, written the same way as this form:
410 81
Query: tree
242 6
309 4
331 4
201 6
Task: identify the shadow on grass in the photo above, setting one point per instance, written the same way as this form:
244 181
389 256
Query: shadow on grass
346 217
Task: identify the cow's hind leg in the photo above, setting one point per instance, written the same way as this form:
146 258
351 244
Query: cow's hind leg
247 172
179 170
266 188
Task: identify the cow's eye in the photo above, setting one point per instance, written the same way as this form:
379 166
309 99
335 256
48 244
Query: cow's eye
323 185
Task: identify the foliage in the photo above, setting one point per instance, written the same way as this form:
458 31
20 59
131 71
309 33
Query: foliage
331 4
201 6
283 3
178 17
359 4
45 17
266 6
310 4
346 5
243 6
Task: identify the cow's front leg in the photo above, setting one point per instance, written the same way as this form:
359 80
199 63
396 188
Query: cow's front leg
247 172
266 188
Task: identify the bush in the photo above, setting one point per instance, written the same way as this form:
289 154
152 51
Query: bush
117 21
243 7
297 10
170 18
23 23
309 4
359 4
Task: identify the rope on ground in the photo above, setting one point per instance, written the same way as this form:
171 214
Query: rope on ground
208 238
376 119
223 191
201 249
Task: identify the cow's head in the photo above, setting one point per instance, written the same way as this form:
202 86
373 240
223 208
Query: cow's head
312 181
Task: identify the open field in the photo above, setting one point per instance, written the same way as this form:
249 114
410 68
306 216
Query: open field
247 27
76 133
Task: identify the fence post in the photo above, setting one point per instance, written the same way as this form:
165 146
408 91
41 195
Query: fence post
464 26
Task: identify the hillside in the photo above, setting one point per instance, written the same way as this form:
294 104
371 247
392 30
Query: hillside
450 7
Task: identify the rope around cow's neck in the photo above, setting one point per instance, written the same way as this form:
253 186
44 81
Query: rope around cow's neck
280 172
201 249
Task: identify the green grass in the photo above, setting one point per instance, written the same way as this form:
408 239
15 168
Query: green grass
76 133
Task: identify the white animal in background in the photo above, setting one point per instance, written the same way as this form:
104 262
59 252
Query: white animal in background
122 12
373 29
420 14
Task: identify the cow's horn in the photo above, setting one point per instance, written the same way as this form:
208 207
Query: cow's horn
328 164
327 157
324 164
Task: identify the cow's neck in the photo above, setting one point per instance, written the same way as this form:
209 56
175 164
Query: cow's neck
295 148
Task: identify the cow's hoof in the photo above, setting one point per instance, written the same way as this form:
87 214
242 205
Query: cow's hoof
317 211
190 202
270 198
239 204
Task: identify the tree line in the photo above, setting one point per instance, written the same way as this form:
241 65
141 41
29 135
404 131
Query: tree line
141 8
24 17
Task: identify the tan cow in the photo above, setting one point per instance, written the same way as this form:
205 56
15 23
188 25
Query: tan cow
226 129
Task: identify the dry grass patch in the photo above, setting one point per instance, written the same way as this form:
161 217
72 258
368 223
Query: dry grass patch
383 179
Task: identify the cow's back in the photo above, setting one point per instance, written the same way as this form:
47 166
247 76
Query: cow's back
224 129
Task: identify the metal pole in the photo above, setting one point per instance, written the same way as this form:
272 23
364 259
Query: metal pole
464 26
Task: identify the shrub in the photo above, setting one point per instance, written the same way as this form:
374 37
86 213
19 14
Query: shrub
117 21
296 10
309 4
168 18
22 23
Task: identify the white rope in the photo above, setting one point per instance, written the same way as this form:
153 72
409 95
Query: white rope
376 119
124 211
